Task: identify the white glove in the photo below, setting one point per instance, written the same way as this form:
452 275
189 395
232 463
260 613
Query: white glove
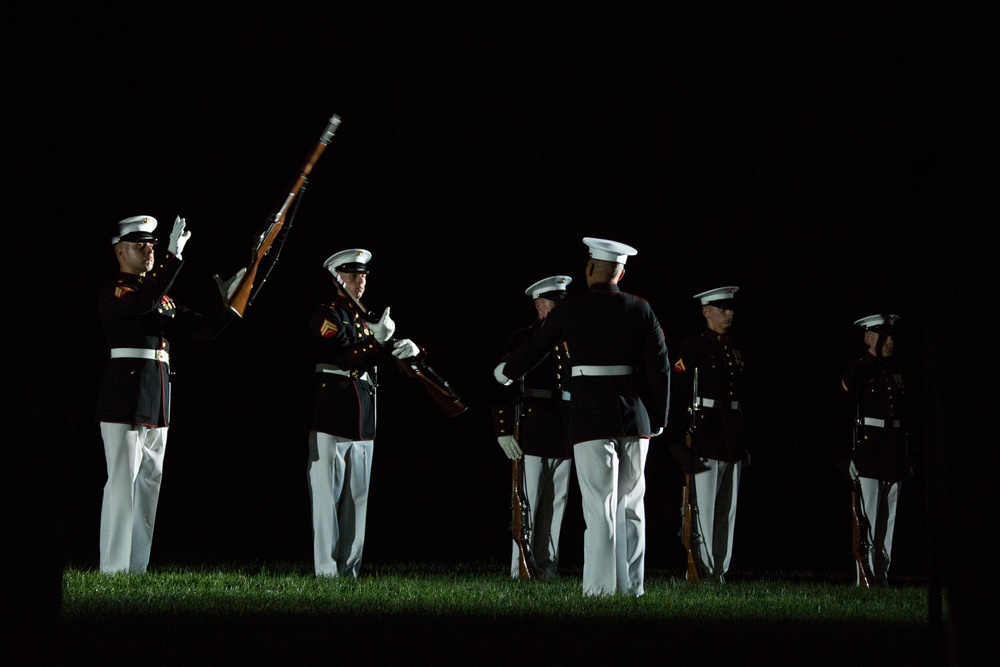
498 374
178 237
510 446
228 287
404 349
853 469
384 328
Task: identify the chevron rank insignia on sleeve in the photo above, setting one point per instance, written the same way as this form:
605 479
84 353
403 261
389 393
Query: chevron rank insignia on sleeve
328 329
679 366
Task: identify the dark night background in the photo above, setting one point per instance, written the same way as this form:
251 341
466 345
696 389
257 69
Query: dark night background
829 161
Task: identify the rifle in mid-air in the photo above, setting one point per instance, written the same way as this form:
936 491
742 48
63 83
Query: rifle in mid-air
241 295
415 368
687 507
520 507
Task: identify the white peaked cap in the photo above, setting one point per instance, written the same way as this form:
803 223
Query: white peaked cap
550 284
352 260
138 228
609 251
875 321
718 294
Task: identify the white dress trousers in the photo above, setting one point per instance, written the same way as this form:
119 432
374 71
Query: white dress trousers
613 488
134 456
339 476
878 502
715 494
546 485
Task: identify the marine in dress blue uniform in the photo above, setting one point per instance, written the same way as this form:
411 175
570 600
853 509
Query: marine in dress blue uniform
619 397
342 431
133 407
881 459
718 448
538 406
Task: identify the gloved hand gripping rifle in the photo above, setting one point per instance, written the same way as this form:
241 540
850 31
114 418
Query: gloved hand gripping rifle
240 296
415 368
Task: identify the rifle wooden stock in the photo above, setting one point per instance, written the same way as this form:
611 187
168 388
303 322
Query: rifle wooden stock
436 387
243 294
687 524
240 299
414 367
860 545
520 527
687 507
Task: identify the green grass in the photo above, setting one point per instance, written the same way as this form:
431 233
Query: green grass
470 592
477 613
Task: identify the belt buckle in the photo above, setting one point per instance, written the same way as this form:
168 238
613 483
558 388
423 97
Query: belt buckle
161 355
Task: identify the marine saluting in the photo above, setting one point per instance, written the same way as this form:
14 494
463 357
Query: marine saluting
139 318
880 456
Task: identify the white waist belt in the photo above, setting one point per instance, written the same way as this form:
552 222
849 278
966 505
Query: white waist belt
545 393
880 423
330 368
711 403
140 353
601 370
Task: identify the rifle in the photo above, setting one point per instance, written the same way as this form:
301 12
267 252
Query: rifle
687 507
244 294
860 545
416 367
520 508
